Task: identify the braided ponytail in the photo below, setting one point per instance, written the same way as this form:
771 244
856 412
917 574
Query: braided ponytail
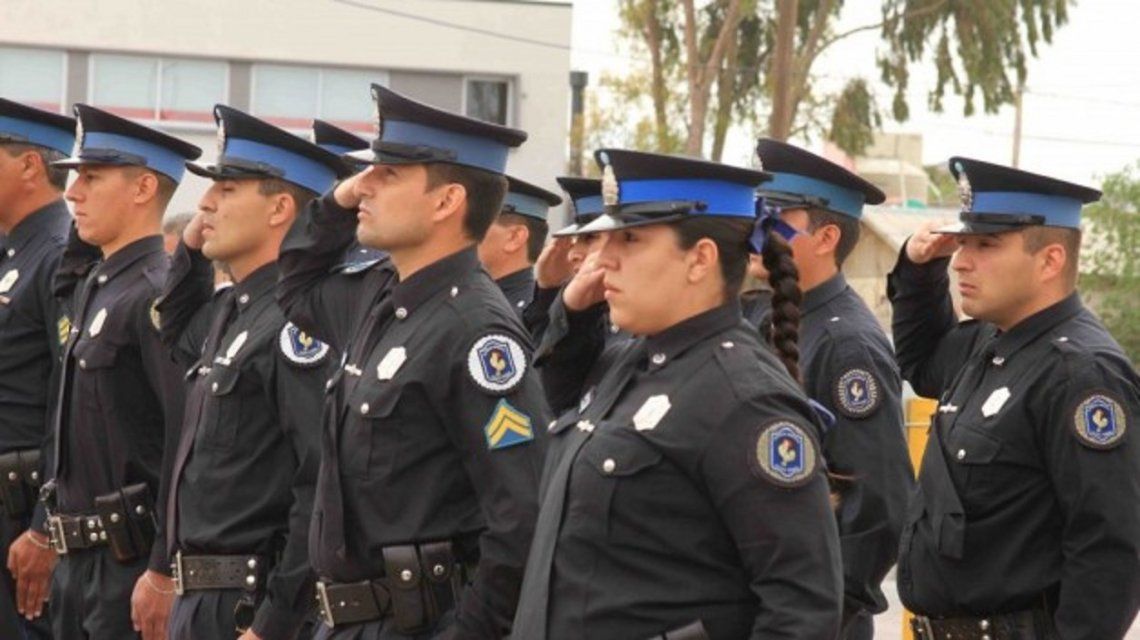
786 297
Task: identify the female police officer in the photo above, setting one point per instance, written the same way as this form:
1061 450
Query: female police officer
683 494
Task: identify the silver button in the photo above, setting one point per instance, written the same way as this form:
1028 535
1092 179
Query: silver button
251 580
985 636
103 536
984 625
244 298
251 563
11 252
614 328
115 518
401 313
214 387
961 454
94 537
550 427
82 363
141 510
90 523
998 361
728 344
406 575
102 278
454 291
608 465
658 358
438 569
35 475
13 476
364 408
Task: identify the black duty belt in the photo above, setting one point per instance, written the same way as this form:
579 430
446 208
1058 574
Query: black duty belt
1022 625
199 572
71 533
419 584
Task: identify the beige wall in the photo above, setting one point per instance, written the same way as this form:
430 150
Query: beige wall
324 32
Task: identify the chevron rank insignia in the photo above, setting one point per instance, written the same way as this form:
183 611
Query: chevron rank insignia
301 348
857 393
496 363
1100 421
63 326
507 427
784 455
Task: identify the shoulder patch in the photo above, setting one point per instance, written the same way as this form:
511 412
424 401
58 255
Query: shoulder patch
155 316
496 363
857 393
507 427
784 454
301 348
1100 421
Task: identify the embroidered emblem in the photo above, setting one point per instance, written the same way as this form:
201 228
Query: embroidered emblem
221 136
391 363
651 412
507 427
96 325
1100 421
9 280
299 347
611 192
785 455
80 137
857 393
496 363
965 191
995 402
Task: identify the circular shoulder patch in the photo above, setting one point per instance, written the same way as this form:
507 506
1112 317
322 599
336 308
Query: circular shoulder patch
784 454
496 363
301 348
1100 421
857 393
155 316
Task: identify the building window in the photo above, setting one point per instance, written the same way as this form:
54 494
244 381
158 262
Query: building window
33 76
488 99
292 96
166 89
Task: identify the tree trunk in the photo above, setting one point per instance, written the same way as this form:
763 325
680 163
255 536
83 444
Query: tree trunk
725 90
651 31
780 75
702 72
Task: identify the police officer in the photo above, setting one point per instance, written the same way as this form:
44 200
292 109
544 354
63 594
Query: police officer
246 466
120 397
34 221
849 366
514 241
683 496
431 450
1026 521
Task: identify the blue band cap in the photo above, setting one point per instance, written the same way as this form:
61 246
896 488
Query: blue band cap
473 151
523 204
589 206
846 201
295 168
39 134
1058 211
156 157
720 198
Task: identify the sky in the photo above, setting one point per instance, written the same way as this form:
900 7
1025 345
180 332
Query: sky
1081 113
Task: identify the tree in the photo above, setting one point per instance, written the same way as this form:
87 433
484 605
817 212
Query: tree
1110 263
730 61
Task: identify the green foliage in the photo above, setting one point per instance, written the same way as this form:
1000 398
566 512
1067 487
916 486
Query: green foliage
1110 279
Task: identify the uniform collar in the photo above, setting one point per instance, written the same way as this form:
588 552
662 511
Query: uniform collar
1010 342
672 342
824 292
257 284
410 294
43 218
128 255
521 278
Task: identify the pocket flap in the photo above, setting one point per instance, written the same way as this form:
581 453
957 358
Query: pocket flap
620 454
974 447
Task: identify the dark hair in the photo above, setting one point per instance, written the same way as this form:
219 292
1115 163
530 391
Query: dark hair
536 232
848 231
731 238
1037 238
273 186
56 176
485 193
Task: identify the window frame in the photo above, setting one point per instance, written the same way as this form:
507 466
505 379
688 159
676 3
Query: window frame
379 76
156 108
63 107
509 81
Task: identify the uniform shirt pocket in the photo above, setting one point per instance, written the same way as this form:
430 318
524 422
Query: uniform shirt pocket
616 479
976 455
371 429
223 411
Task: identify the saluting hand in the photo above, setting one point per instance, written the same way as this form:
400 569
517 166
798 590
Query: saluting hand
345 192
925 245
553 267
586 289
31 561
249 635
192 234
151 602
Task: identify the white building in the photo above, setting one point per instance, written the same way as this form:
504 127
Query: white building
166 63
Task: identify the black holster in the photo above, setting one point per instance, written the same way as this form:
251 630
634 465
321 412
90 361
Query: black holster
129 520
422 585
20 481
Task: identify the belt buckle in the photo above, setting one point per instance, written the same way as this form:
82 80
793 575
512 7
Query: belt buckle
57 538
324 608
921 625
176 574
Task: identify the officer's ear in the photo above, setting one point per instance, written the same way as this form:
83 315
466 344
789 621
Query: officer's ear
827 239
1053 260
703 260
450 200
517 237
283 209
144 186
